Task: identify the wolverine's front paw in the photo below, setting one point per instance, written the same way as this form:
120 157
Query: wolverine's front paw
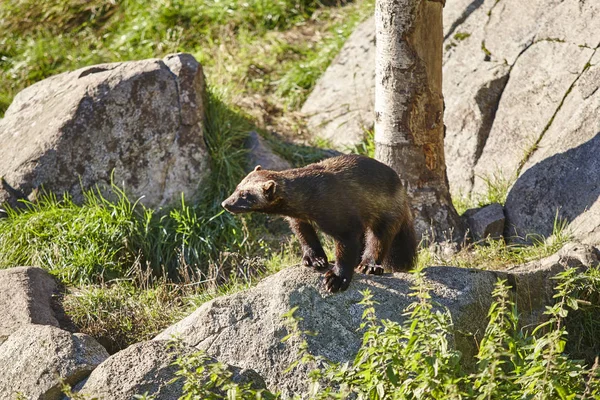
312 260
335 283
370 268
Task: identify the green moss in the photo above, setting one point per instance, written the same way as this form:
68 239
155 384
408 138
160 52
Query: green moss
461 36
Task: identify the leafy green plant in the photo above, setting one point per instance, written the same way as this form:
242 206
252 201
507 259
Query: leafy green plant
204 378
367 145
413 360
497 187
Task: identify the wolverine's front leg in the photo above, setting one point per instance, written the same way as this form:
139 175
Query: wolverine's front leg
313 254
347 254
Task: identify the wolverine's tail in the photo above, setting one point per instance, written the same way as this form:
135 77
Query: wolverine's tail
403 251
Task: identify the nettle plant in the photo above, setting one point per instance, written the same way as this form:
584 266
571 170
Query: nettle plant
414 360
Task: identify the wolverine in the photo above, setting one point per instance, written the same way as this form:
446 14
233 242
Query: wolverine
358 201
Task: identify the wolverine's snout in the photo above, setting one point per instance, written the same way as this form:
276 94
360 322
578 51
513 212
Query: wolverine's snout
227 204
234 205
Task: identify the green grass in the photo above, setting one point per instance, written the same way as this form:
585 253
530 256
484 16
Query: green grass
122 313
497 254
366 147
130 310
496 191
77 244
275 49
131 271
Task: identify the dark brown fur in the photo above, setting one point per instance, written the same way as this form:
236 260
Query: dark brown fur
357 200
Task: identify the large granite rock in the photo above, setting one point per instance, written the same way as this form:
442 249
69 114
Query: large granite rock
564 188
246 328
486 222
141 119
516 61
36 358
340 108
539 80
147 367
25 298
562 177
520 86
260 153
473 85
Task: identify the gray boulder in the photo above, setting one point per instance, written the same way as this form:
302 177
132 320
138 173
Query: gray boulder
147 367
539 80
486 222
507 67
521 24
36 358
473 85
341 106
141 119
246 328
25 298
562 177
261 154
535 277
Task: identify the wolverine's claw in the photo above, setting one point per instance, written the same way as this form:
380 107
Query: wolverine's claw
370 269
314 261
334 283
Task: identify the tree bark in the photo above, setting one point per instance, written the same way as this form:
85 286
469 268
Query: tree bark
409 110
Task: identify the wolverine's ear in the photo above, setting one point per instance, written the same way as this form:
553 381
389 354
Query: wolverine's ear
269 189
257 168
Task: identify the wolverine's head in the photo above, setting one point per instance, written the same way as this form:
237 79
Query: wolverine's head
256 192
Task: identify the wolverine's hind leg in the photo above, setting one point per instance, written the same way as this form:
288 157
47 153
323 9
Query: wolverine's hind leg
377 244
403 250
313 254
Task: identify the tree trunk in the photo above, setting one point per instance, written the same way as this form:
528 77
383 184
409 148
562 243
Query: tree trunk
409 110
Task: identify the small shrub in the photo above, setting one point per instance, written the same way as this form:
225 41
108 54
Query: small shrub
413 360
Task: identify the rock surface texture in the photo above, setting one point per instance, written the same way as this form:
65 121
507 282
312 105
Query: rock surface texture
561 179
147 367
520 86
246 328
535 277
486 222
141 120
341 106
25 298
261 154
35 358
